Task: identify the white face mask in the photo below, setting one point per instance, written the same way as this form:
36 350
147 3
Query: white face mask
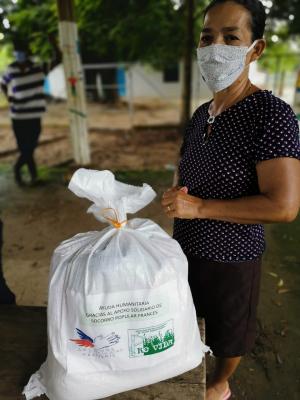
220 64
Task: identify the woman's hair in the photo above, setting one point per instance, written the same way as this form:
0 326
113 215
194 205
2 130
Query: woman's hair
257 13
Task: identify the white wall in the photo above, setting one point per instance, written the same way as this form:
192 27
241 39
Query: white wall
148 83
57 83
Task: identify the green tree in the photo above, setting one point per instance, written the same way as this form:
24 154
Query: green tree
149 31
288 10
5 56
127 30
120 30
31 21
280 56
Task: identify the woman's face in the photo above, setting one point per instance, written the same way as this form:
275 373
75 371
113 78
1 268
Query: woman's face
227 23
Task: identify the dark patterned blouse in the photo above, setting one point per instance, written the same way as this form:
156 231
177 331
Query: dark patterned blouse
259 127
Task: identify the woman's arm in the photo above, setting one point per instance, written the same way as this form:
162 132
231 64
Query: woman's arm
278 201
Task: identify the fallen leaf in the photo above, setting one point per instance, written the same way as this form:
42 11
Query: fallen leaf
276 302
282 291
273 274
278 359
280 283
283 332
38 248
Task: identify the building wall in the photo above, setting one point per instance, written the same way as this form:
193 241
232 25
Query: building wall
57 83
147 82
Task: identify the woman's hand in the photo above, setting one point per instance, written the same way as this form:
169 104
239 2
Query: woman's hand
178 204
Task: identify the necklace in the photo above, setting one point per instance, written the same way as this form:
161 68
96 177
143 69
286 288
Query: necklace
211 118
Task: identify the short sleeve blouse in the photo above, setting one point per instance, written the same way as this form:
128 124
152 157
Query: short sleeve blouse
258 128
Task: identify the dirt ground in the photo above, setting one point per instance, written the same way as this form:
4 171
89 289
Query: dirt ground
109 129
37 219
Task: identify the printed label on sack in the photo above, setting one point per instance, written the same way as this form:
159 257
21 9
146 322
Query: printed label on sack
102 346
131 310
141 341
139 305
151 340
123 330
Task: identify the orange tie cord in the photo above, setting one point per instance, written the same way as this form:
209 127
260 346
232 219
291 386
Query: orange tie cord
115 222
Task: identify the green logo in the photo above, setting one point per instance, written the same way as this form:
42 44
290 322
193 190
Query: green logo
151 340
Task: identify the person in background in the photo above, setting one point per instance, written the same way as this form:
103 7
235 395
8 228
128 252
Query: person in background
6 295
23 85
239 169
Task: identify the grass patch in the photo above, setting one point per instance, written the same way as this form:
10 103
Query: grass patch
283 242
52 174
46 174
5 169
61 174
154 178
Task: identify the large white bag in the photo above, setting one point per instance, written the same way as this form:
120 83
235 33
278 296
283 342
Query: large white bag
120 312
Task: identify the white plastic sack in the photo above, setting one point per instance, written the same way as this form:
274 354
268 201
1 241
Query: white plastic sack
120 311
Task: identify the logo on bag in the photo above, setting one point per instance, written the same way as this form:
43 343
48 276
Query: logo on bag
100 342
151 340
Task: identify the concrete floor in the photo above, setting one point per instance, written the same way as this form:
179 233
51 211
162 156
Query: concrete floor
23 342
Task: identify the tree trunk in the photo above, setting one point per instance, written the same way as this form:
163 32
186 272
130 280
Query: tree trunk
74 81
297 92
277 75
281 83
188 58
66 10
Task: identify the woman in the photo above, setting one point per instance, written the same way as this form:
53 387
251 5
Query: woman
239 169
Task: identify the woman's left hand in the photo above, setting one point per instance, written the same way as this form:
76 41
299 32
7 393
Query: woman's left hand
178 204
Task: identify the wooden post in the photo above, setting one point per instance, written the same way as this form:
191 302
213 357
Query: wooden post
276 75
297 92
130 97
188 58
74 80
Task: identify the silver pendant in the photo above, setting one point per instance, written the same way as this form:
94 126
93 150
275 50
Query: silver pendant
211 119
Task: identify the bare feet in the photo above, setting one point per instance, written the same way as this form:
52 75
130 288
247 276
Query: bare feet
217 391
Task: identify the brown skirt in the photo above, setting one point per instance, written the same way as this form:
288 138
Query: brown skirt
226 295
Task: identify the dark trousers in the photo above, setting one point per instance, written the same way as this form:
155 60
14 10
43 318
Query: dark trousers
27 132
6 296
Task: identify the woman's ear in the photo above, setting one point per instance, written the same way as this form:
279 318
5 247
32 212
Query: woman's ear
258 49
